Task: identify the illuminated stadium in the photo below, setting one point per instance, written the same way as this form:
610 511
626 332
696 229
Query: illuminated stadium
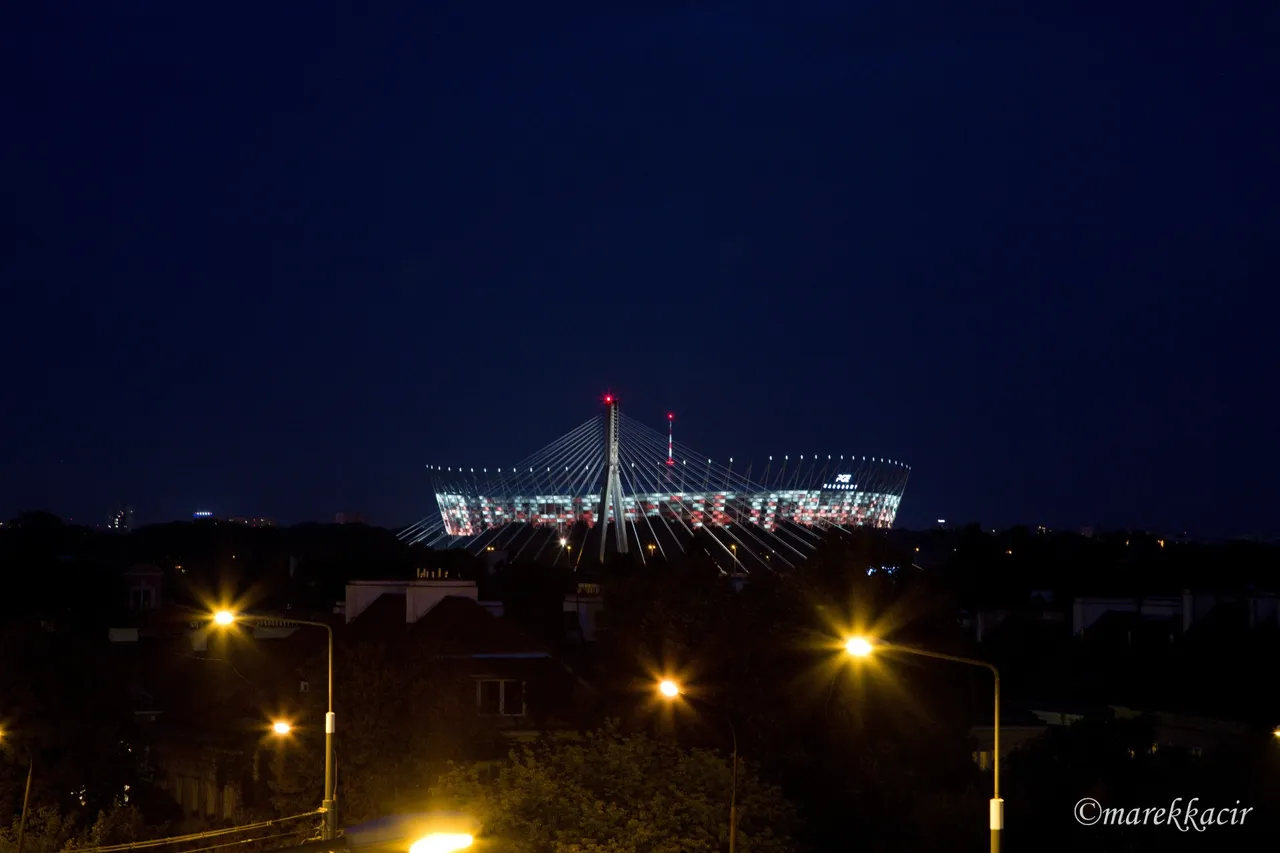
671 500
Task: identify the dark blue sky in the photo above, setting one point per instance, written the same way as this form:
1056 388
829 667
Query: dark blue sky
274 258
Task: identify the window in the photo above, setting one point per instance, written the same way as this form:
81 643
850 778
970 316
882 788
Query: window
142 598
500 697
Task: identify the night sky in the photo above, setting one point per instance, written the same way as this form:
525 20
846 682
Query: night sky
273 259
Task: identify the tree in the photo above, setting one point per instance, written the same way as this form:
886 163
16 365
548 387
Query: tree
121 825
71 718
399 714
616 793
49 830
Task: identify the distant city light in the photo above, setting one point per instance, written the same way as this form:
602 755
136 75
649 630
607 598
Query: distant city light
202 514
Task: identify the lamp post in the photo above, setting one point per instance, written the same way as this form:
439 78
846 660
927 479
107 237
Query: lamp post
26 798
861 647
330 803
26 795
670 691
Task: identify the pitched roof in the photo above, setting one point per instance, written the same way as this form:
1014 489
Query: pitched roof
384 619
460 626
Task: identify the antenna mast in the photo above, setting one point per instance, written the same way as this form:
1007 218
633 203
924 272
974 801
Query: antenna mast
670 439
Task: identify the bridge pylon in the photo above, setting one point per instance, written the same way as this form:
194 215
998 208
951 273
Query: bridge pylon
611 489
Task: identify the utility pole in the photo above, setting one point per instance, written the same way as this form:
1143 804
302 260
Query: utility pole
26 797
330 780
732 794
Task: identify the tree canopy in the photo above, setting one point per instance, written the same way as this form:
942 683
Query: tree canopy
612 792
49 830
83 760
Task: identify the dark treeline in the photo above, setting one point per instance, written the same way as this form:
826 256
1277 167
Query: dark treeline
305 566
880 753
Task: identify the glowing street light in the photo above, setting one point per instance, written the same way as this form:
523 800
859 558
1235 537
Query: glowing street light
671 691
26 794
329 805
442 842
859 647
563 541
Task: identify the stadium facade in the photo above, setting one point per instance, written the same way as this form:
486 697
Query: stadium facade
667 496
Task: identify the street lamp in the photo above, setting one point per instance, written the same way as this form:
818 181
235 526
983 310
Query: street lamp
26 795
670 691
858 647
329 805
442 842
862 647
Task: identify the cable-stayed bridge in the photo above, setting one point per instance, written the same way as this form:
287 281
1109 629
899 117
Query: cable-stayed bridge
670 499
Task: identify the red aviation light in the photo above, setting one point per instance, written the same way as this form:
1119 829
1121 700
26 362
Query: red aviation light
670 416
608 398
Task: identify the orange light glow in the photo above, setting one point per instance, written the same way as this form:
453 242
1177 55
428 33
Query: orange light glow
858 647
